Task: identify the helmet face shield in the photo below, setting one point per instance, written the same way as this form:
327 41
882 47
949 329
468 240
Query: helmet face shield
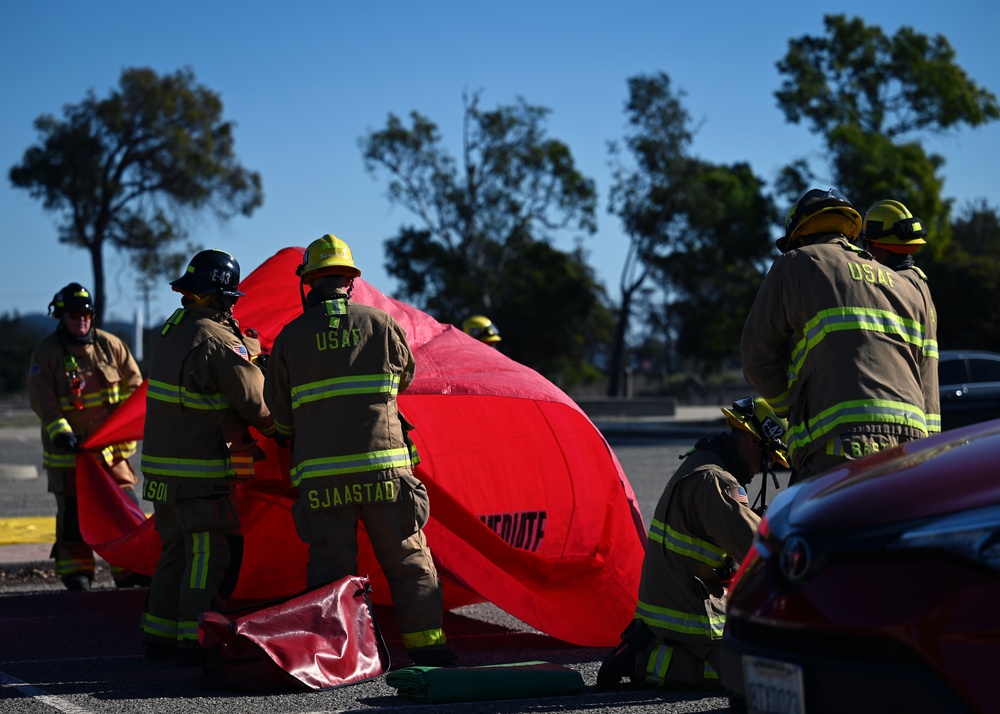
814 203
482 328
890 223
755 415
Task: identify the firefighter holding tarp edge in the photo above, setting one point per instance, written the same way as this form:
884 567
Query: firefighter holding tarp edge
204 394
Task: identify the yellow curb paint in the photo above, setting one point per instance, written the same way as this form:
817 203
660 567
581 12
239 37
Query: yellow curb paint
28 529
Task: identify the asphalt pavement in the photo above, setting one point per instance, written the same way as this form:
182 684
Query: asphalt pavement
26 535
80 653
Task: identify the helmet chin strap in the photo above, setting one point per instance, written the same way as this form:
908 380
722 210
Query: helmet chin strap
766 469
302 292
222 303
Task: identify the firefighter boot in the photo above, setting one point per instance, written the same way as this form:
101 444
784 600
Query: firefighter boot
434 656
621 661
76 583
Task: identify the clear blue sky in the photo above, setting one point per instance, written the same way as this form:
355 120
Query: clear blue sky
304 80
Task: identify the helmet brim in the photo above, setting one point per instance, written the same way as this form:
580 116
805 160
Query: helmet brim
743 423
346 270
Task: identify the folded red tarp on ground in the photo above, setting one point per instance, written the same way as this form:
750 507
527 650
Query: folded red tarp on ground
530 509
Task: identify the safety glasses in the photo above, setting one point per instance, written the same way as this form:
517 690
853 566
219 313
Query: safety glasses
78 314
480 332
813 201
835 194
905 228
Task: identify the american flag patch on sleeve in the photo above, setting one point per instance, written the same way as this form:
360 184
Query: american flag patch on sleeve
738 494
241 350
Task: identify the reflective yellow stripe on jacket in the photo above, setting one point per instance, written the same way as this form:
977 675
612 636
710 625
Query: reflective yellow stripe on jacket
343 386
59 426
851 318
863 411
51 460
110 454
187 468
687 545
174 394
665 618
109 395
933 423
350 463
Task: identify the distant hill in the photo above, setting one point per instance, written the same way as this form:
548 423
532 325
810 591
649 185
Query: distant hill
42 324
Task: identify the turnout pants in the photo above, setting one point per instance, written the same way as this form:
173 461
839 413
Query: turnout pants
197 533
394 529
670 663
72 555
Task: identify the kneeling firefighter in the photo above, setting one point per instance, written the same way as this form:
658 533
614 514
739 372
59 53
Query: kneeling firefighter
702 525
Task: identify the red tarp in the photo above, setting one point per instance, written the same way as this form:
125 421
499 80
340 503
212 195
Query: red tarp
530 509
323 638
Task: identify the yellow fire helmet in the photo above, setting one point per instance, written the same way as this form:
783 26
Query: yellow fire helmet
482 328
890 225
756 416
327 256
820 211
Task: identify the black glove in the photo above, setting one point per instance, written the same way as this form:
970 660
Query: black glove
261 361
281 440
66 441
728 569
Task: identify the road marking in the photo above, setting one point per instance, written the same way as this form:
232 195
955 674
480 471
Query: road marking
18 472
30 690
57 660
27 529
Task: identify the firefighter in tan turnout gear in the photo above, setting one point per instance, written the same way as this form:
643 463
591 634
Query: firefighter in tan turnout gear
892 234
838 341
482 328
702 526
77 378
332 381
204 394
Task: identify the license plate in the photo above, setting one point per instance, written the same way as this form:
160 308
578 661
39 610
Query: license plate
773 687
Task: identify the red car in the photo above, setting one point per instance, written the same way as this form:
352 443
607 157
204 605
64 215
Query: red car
876 586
